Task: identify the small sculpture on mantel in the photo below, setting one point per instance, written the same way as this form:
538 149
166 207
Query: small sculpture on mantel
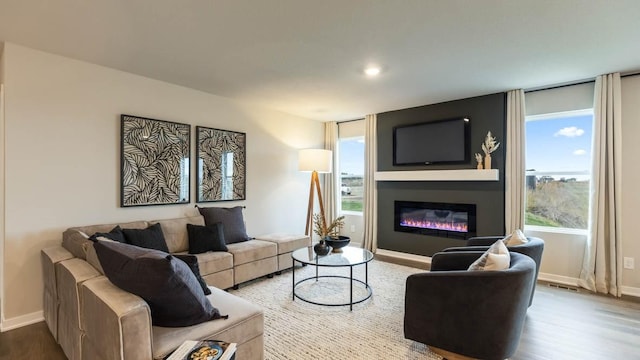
490 145
479 160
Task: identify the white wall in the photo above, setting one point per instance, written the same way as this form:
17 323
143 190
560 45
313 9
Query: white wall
630 179
62 158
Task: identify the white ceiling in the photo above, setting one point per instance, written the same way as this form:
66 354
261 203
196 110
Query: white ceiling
305 57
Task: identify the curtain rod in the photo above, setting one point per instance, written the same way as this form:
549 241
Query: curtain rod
580 82
348 121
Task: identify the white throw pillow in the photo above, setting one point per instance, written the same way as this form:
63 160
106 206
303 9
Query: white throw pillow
516 238
495 258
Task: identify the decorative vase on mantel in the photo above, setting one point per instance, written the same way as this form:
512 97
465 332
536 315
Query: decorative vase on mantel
321 248
487 161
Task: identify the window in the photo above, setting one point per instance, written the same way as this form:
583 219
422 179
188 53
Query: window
558 162
351 167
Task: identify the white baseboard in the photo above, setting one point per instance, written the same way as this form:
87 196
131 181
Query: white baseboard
631 291
404 256
559 279
20 321
566 280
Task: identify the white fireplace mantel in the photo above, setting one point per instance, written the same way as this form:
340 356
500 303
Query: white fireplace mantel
439 175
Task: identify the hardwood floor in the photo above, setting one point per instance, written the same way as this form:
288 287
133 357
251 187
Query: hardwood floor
564 324
30 342
561 325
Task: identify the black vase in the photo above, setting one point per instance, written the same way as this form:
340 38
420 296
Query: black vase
321 248
337 242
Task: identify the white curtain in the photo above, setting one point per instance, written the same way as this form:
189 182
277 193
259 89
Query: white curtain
330 181
515 167
370 196
602 268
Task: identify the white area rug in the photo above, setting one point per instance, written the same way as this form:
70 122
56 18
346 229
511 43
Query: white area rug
296 330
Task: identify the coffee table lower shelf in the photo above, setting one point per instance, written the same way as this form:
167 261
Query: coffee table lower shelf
346 257
351 300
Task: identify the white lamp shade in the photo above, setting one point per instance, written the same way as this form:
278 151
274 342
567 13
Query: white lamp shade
319 160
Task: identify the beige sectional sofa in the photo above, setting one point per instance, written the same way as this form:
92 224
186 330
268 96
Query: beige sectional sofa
93 319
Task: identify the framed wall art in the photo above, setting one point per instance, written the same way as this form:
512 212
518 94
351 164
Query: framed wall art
220 164
154 162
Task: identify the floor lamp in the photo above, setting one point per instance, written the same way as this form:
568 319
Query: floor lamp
316 161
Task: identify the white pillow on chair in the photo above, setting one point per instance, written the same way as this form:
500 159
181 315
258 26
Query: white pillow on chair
495 258
515 238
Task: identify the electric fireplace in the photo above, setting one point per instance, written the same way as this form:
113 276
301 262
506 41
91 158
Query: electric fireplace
437 219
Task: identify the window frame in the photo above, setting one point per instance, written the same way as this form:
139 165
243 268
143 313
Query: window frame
547 117
339 178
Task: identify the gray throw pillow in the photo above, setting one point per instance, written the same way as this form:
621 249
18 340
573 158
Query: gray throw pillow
115 234
206 238
150 238
192 263
231 219
163 281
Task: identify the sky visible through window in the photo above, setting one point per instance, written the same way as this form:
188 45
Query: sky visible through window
559 143
352 156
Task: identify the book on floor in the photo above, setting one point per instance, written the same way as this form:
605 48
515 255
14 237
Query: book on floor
204 350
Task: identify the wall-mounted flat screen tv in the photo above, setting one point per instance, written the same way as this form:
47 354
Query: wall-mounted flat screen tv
444 141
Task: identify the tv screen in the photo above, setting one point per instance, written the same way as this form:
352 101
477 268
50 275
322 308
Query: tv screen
445 141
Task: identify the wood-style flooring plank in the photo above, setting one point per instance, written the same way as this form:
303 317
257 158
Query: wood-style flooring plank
30 342
565 324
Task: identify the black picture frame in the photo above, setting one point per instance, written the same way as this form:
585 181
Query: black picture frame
154 162
221 159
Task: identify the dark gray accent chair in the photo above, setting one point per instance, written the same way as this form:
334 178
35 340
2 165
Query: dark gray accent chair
476 314
533 249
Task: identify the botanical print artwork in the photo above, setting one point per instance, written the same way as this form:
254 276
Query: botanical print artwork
155 161
221 161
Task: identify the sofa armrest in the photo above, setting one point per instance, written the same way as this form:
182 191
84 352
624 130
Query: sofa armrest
116 323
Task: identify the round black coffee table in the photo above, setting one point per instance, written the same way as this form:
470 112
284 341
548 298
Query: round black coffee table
349 257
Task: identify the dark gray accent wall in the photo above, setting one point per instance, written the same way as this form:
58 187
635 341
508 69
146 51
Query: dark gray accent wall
486 113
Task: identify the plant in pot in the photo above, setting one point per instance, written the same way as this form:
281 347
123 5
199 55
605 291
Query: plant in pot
329 234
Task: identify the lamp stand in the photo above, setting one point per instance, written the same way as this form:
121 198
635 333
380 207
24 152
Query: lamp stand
315 182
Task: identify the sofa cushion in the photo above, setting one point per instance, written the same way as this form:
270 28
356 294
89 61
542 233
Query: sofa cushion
164 282
150 238
213 262
495 258
192 263
206 238
175 231
245 322
286 242
232 220
115 234
248 251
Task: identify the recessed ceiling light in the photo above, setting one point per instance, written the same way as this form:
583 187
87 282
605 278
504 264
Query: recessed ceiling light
372 71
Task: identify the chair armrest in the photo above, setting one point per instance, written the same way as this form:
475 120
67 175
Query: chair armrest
454 260
483 240
467 248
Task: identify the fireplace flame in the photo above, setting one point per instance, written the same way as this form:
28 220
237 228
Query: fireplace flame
435 225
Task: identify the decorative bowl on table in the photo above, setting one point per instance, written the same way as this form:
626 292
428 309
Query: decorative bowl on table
337 242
